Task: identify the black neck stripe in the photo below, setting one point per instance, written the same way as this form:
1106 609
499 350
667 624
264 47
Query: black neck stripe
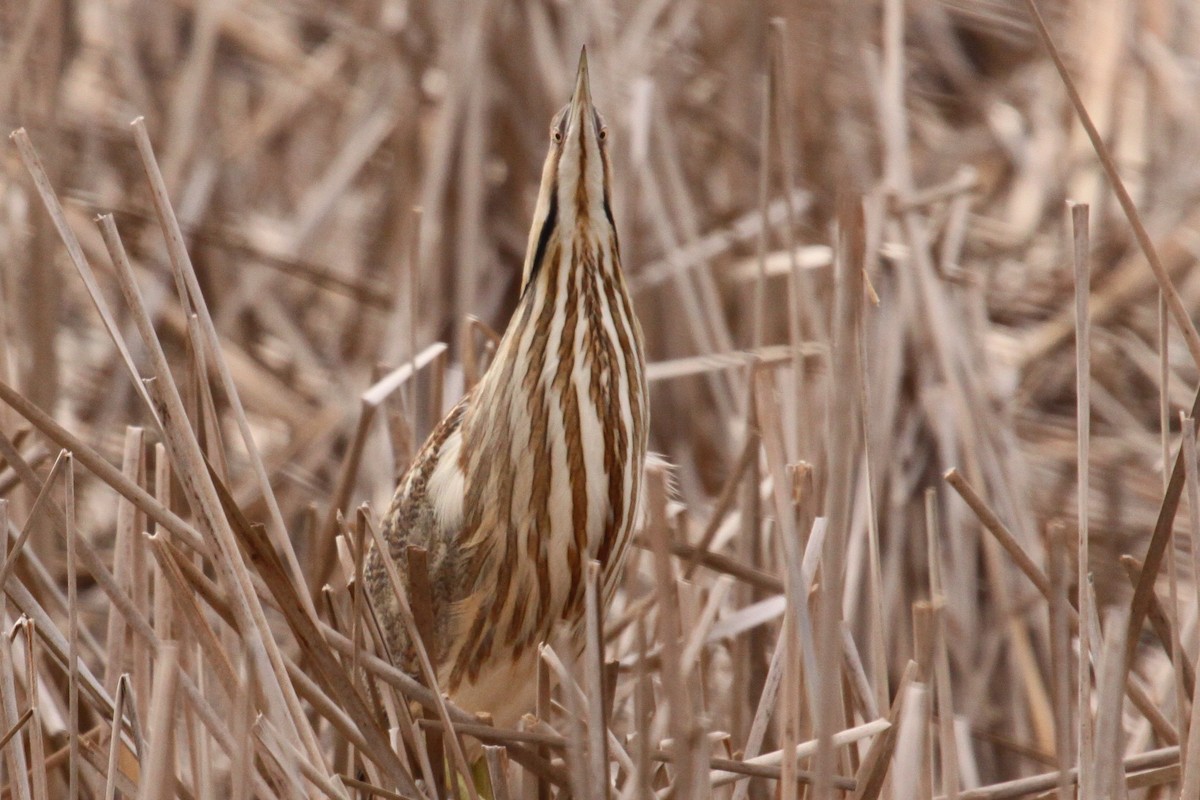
539 254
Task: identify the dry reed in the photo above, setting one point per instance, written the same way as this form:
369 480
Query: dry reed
930 461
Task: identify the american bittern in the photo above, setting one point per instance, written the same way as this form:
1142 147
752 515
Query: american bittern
537 470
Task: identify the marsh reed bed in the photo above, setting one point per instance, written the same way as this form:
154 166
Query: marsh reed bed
250 251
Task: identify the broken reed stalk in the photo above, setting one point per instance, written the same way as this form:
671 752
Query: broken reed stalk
14 756
593 668
1057 545
794 632
844 440
1083 415
1108 737
72 628
1190 783
159 776
943 694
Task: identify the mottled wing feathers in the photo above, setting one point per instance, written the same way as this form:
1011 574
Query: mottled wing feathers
421 516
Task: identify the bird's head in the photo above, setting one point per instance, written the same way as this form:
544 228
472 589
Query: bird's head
575 199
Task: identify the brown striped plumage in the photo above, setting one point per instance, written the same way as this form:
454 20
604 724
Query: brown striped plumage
537 470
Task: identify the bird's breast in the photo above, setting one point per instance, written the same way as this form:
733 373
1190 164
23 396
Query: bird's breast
551 460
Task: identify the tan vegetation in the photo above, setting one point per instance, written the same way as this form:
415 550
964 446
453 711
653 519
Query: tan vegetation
225 327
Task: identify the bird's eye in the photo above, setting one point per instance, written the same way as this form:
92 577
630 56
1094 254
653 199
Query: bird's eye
556 135
603 134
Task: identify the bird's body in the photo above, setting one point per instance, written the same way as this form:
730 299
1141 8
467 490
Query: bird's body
537 470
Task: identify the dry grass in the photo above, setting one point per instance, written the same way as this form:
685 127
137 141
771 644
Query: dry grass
225 328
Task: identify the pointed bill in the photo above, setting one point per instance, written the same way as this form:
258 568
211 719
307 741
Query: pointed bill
581 98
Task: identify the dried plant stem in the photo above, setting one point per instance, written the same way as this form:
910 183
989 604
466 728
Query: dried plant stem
72 627
1021 787
843 444
1083 411
192 471
34 165
1174 302
1136 694
191 298
14 756
158 782
1190 783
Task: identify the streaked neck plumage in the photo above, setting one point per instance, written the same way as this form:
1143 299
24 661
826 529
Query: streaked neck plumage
558 423
574 197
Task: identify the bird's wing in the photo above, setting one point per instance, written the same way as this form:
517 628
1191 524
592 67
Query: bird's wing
424 513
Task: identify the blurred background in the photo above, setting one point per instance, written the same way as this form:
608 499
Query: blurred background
355 182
